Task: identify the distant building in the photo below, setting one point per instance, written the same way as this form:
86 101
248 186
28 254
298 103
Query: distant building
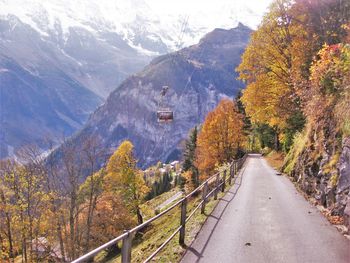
174 163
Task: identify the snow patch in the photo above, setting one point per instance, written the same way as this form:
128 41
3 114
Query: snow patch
70 57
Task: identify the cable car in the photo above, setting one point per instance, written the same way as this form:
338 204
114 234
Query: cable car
164 114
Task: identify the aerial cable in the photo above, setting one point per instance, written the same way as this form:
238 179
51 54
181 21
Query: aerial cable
185 90
183 28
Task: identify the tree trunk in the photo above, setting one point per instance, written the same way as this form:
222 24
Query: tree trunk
9 234
72 227
60 238
277 141
24 249
139 216
8 226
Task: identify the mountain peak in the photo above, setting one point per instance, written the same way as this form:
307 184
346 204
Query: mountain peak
141 23
241 25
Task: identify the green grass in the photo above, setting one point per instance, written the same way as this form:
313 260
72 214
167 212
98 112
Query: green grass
299 144
346 128
149 207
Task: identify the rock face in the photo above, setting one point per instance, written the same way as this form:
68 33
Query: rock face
323 169
198 77
38 108
344 167
344 180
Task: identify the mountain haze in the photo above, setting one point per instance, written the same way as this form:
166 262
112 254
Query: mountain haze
61 59
198 77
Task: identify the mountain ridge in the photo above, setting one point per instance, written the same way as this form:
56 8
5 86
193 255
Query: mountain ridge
198 76
95 53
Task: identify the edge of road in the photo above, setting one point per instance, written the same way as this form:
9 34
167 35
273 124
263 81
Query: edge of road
240 174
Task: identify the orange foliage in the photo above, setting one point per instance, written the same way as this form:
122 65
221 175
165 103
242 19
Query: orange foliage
189 186
111 218
220 138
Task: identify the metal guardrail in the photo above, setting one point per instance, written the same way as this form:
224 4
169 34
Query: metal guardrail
217 185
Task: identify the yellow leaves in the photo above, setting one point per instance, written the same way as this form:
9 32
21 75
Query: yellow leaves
271 64
189 184
111 218
92 185
262 101
121 166
123 176
220 137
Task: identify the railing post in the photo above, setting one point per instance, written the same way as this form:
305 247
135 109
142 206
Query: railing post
217 182
183 222
231 173
223 182
204 196
126 248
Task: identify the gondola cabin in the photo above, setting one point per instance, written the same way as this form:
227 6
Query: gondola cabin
165 116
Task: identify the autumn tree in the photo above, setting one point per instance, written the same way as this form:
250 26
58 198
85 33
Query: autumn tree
276 63
88 196
123 177
92 188
23 202
73 167
220 138
328 96
111 218
265 67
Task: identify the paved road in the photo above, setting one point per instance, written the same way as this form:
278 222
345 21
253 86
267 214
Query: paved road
170 200
264 219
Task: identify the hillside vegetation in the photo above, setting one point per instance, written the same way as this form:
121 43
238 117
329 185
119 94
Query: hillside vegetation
297 70
48 213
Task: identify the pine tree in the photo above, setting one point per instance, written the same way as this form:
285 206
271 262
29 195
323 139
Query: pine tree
190 155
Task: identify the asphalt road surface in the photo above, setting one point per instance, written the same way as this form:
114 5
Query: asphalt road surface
264 219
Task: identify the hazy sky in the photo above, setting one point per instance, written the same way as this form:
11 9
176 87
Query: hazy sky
217 12
193 6
202 12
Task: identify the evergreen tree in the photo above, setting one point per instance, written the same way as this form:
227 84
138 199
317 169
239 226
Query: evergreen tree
189 156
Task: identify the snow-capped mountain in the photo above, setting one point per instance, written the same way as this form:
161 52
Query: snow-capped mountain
60 59
150 26
124 34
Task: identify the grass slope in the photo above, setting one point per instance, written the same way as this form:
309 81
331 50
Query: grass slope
162 228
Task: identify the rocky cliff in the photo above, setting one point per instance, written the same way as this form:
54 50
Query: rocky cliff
322 169
198 77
